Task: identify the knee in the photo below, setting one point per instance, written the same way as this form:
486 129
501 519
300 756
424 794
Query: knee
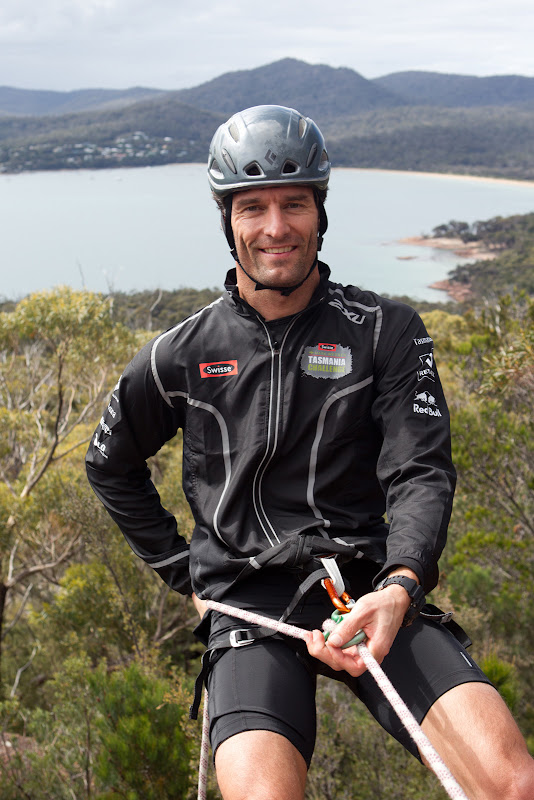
518 784
263 793
524 780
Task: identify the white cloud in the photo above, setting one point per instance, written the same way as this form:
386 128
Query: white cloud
66 44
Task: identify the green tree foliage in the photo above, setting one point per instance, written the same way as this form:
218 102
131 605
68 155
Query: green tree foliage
144 753
57 350
489 565
105 734
58 353
509 267
157 311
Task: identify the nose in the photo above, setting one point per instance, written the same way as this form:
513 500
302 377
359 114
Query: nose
275 223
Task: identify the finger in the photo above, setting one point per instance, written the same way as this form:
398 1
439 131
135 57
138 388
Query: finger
315 643
348 660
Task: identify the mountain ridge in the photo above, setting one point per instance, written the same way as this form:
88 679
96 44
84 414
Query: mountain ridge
394 89
38 102
413 120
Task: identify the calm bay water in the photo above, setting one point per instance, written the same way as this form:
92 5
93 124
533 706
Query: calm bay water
148 228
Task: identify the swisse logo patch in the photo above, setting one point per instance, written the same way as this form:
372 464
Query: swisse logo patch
326 361
218 369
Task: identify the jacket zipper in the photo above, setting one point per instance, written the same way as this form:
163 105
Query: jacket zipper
275 408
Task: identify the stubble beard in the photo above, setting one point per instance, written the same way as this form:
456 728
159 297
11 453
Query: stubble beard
284 276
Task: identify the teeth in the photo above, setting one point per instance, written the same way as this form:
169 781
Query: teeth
275 250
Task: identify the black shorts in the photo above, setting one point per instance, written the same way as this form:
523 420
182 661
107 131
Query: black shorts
270 684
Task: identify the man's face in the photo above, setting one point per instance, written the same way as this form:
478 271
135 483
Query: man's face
275 232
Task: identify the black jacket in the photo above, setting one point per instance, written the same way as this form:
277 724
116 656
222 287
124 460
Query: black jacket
307 428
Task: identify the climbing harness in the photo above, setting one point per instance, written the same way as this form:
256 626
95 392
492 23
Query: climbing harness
433 759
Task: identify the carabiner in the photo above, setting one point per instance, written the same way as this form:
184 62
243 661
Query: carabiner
358 637
343 603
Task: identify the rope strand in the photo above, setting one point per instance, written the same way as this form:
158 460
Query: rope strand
434 760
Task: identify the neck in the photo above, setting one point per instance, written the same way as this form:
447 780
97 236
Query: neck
270 303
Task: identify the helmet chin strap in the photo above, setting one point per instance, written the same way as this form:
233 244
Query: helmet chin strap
285 291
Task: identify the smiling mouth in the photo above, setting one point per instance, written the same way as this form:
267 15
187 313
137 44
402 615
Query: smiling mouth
277 250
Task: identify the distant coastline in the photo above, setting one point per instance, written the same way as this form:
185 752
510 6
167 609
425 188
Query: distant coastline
472 250
452 175
138 229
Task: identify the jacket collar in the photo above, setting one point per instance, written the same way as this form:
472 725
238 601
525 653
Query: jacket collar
230 285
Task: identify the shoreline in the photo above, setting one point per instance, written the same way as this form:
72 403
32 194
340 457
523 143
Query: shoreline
452 175
459 292
473 250
414 173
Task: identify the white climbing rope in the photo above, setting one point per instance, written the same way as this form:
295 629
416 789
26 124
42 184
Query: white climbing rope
434 760
204 751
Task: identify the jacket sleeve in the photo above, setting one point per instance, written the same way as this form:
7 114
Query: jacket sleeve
415 467
135 424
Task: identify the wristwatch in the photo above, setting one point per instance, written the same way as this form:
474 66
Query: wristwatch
415 592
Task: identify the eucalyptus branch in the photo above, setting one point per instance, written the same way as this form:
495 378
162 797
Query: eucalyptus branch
187 625
38 568
5 480
73 447
66 416
21 670
11 563
164 591
20 609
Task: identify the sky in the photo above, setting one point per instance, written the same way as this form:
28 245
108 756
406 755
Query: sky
172 44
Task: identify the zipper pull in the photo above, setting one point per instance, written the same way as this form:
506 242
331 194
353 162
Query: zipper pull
276 348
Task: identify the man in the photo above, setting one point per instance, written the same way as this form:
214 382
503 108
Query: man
309 410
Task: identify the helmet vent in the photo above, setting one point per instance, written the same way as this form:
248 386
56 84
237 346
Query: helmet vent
312 154
253 170
324 162
228 160
215 170
289 168
302 127
233 130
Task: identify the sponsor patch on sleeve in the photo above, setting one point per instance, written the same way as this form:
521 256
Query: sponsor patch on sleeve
218 369
424 340
425 403
326 360
427 367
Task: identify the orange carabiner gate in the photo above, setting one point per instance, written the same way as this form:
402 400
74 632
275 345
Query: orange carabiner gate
339 602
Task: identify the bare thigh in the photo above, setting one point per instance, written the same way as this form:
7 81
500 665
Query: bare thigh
260 765
475 734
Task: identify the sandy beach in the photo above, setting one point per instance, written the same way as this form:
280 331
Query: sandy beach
453 176
462 249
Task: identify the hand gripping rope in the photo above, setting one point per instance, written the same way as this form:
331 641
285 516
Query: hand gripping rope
435 762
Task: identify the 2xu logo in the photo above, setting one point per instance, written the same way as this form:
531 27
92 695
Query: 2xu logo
218 369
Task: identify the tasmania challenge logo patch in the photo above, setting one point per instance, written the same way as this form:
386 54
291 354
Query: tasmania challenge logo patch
326 360
218 369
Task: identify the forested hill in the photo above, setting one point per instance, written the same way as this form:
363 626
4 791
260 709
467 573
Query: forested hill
413 120
39 103
458 91
509 267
